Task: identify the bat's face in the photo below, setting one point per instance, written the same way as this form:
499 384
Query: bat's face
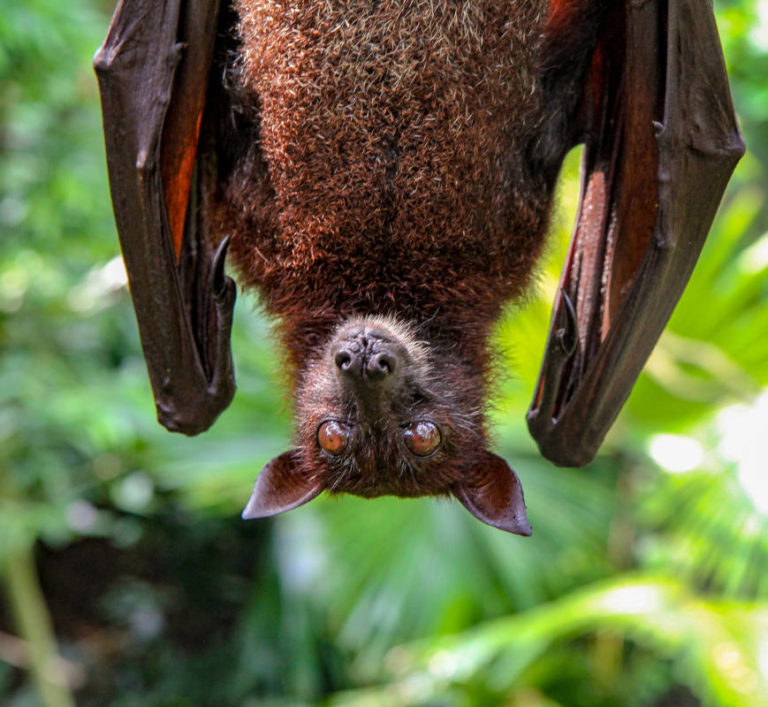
376 419
378 415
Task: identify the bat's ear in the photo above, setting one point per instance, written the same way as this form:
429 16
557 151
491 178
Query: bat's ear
494 495
281 486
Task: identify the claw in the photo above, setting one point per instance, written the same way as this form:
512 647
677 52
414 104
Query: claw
567 336
218 280
223 291
562 346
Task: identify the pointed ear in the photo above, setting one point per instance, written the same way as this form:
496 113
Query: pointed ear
281 486
494 495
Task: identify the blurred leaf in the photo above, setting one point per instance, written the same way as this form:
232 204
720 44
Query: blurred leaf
713 644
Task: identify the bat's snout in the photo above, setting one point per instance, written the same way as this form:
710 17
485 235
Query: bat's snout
366 358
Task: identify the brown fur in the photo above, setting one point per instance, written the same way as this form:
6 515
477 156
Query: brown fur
387 168
387 176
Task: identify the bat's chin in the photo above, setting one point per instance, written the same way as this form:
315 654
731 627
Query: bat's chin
395 480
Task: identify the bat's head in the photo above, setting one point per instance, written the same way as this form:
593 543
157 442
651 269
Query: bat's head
380 412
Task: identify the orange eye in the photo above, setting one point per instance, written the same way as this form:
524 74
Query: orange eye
333 437
422 438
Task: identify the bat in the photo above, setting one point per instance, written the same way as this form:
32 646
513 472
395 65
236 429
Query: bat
382 173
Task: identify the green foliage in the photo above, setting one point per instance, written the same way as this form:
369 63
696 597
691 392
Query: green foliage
497 659
639 586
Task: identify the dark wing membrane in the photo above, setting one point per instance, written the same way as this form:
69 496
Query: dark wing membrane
661 142
153 72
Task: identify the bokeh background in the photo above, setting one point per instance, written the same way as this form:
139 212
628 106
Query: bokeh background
129 579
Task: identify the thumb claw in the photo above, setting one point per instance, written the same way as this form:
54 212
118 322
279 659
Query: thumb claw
567 336
218 280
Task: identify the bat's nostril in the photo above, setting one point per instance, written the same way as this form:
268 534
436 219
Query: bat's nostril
343 359
381 365
387 362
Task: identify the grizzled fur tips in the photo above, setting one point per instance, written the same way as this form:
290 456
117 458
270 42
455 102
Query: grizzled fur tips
392 177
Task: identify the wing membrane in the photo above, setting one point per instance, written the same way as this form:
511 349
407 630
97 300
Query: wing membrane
661 144
153 71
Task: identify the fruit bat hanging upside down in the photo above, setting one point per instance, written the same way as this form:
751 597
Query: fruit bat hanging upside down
382 172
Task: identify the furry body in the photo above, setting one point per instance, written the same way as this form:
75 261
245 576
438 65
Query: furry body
391 166
388 174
